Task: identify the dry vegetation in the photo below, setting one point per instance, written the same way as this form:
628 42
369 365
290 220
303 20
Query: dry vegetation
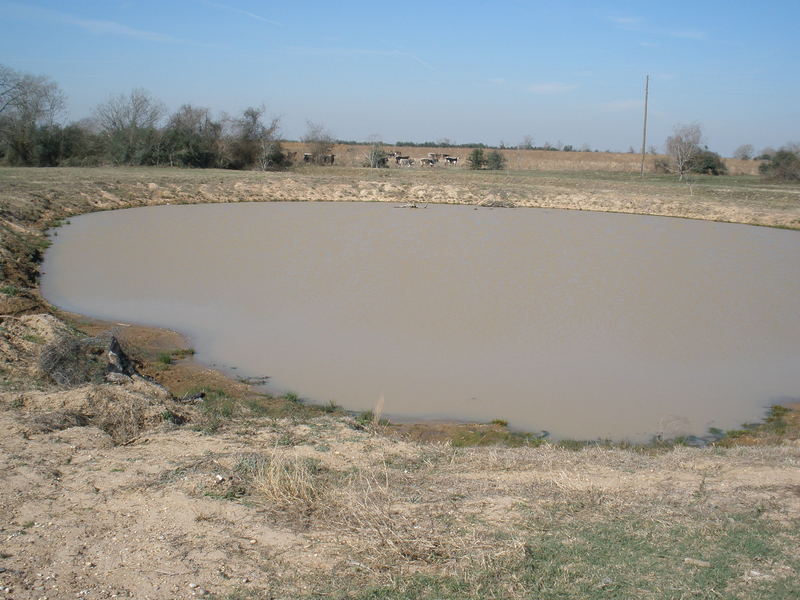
120 487
353 155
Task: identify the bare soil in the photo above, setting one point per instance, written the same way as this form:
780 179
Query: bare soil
133 487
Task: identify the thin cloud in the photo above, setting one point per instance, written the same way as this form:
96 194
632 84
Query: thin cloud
633 23
245 13
117 29
94 26
313 51
638 24
551 87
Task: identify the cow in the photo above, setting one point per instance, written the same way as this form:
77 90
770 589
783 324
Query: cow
398 158
427 162
405 161
320 159
450 160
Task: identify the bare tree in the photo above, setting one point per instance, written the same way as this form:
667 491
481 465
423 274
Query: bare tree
27 102
375 156
744 152
137 110
252 143
10 82
683 146
319 141
130 123
526 143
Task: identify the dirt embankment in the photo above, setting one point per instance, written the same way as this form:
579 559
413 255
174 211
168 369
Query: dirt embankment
114 486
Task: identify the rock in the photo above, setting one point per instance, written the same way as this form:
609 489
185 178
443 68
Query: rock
700 442
115 377
697 563
118 361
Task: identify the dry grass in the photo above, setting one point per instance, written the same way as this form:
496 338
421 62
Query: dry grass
371 517
283 479
538 160
446 523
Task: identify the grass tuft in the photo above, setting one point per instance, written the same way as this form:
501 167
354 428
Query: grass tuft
282 478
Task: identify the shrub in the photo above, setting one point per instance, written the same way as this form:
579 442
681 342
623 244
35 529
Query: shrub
707 162
495 160
70 361
661 165
783 165
744 152
476 159
274 157
376 157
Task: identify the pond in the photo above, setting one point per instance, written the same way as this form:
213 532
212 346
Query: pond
586 325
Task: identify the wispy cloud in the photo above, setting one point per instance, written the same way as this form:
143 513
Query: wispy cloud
627 22
314 51
638 24
117 29
551 87
245 13
94 26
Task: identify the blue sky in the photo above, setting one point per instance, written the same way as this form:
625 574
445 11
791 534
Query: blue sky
468 71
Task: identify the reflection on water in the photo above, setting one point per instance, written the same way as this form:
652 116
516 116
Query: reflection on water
584 324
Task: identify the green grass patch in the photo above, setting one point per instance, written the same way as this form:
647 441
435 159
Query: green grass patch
495 437
621 557
182 353
367 419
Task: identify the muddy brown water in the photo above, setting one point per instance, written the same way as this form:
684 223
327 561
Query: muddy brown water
587 325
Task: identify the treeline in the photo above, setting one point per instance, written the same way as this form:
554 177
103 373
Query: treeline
132 129
135 129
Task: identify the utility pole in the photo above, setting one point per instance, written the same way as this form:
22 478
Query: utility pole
644 128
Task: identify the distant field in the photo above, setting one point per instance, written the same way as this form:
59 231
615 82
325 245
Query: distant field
541 160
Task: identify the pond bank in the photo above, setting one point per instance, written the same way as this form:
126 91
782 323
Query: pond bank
53 195
262 499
